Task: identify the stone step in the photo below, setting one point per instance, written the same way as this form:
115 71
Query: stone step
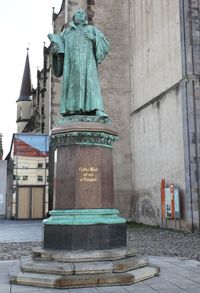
47 267
33 279
144 273
72 281
129 263
81 255
78 268
89 280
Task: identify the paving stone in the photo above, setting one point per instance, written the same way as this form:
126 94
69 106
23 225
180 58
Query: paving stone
194 279
193 290
185 284
163 286
144 273
177 290
141 290
49 290
112 289
4 288
24 289
4 279
83 290
135 287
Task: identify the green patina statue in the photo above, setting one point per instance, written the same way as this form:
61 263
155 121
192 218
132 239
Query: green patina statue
76 53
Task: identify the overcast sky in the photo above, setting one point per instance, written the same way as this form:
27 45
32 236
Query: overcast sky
23 23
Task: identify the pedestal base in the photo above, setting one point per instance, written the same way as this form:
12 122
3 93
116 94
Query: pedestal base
54 269
86 229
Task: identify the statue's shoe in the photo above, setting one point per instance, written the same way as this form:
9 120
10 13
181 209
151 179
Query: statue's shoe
101 113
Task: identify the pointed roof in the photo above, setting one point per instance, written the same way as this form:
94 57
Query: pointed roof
26 88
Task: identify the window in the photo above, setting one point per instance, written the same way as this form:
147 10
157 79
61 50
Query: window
16 177
40 165
40 178
20 113
47 165
25 177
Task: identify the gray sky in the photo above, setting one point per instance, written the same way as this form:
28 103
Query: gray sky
23 23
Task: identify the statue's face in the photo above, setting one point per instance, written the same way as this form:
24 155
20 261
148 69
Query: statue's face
79 16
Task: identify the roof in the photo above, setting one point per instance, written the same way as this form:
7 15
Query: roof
26 88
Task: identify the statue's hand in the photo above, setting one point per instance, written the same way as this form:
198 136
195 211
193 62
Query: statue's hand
89 35
54 48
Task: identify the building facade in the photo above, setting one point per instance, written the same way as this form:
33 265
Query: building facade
29 196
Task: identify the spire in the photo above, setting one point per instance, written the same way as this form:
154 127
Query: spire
26 89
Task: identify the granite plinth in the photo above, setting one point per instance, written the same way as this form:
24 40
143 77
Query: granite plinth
87 237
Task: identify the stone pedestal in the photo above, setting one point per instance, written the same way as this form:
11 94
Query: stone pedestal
84 238
83 216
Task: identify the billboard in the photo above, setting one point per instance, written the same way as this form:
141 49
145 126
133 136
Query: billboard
31 145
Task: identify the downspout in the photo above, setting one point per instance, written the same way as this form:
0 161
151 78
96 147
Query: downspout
184 87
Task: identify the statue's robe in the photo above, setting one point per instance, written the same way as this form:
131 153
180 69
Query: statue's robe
76 58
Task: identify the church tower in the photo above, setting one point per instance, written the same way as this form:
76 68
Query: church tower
24 100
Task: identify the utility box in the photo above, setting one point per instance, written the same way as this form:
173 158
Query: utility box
172 202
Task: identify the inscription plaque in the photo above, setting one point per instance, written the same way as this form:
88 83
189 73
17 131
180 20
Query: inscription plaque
88 174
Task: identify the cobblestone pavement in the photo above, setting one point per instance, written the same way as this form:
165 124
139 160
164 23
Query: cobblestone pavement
162 242
146 240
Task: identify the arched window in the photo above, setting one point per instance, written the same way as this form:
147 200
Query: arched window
20 113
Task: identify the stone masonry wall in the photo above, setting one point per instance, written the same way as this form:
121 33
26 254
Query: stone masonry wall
112 17
156 108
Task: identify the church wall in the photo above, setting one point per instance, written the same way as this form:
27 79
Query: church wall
55 82
158 153
47 116
156 115
112 17
156 46
72 6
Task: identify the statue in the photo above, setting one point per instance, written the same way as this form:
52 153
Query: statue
76 53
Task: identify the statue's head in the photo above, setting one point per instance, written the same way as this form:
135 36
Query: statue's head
80 17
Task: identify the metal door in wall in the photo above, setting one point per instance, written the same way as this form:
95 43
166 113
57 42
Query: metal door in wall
30 202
